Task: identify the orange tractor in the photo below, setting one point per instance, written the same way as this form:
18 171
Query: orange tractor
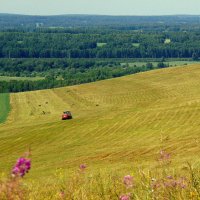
66 115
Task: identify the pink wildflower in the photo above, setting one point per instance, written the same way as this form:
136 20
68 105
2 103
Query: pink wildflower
128 181
21 167
125 197
169 177
165 157
182 183
82 167
62 194
156 184
170 183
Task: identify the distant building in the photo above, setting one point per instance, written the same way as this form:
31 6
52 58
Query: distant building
38 25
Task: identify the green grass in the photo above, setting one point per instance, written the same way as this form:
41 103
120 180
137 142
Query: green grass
167 41
135 44
171 63
101 44
9 78
4 107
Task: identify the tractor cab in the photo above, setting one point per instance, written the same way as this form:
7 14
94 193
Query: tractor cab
66 115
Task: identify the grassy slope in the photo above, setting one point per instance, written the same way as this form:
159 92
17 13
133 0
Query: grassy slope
4 107
171 63
117 123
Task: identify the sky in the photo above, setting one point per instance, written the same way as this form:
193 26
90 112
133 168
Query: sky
101 7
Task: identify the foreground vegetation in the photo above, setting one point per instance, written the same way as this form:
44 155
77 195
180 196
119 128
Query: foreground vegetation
161 183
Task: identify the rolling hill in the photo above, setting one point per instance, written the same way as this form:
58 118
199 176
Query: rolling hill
117 123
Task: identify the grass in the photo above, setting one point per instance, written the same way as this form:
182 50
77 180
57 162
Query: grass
119 125
4 107
135 44
101 44
9 78
167 41
85 186
171 63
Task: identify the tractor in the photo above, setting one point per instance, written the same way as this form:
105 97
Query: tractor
66 115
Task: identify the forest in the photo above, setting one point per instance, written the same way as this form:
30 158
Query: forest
113 44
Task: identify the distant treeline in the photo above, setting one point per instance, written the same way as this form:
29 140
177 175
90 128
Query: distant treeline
110 44
13 21
34 66
75 76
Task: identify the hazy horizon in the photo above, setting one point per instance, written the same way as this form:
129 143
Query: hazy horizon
103 7
43 15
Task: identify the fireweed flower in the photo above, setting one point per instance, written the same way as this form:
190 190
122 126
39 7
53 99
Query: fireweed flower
155 185
21 167
62 194
176 183
82 167
125 197
170 183
165 157
182 183
128 181
169 177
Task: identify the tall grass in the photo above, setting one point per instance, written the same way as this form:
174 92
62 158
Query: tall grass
161 184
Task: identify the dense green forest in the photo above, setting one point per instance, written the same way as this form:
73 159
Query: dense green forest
75 49
77 73
113 44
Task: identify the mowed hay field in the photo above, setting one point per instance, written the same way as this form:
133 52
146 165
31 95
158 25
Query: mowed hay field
118 123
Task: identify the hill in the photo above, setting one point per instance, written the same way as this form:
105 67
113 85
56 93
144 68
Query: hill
117 122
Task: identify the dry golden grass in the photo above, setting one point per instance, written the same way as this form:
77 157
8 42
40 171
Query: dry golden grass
118 123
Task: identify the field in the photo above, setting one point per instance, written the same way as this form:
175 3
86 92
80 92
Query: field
136 44
4 107
171 63
9 78
167 41
119 124
101 44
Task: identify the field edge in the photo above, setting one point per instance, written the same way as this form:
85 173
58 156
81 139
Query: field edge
4 107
